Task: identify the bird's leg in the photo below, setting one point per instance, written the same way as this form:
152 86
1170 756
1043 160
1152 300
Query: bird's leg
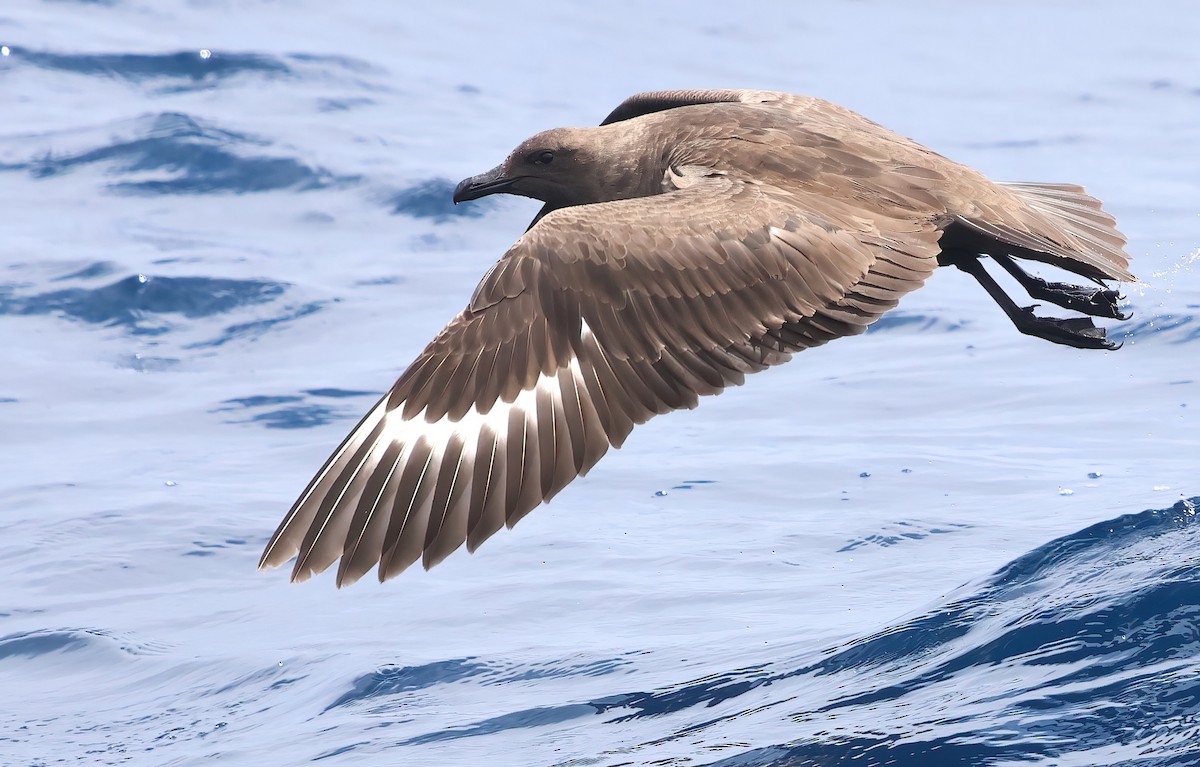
1098 302
1077 331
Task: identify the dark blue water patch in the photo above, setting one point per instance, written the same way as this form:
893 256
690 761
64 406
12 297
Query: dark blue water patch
339 393
343 105
326 60
893 750
392 280
207 549
919 323
905 531
534 717
393 680
286 682
1088 644
434 199
257 401
299 417
200 158
380 688
340 750
190 66
709 691
89 272
268 678
251 330
8 400
295 413
1095 635
1172 328
139 302
32 644
52 642
557 670
691 484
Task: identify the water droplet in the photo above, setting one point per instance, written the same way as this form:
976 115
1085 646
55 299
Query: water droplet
906 471
1094 475
4 50
143 279
1066 491
660 493
1159 488
205 53
170 483
864 474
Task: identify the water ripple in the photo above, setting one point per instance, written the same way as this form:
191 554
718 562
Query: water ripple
136 67
295 411
138 302
197 158
913 322
1173 328
434 199
1087 648
392 680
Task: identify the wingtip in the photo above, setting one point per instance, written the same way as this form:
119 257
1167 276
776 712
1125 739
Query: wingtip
300 574
266 562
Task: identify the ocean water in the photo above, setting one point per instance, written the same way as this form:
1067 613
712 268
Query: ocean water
225 228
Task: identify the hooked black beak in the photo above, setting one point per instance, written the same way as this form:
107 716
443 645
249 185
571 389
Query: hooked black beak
482 185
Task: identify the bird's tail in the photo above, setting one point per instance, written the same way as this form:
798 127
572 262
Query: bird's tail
1059 224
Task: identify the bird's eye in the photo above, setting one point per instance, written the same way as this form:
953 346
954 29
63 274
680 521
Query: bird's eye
544 157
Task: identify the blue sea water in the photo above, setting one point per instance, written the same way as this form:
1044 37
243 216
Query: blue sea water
225 228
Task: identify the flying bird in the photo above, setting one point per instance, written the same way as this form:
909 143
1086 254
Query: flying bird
690 239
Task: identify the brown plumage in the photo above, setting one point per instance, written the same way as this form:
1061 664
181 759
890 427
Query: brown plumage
692 238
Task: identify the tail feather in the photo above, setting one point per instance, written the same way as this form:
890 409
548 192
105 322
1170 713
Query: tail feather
1059 224
1083 219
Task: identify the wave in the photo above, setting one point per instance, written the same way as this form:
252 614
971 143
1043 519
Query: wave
187 155
1175 328
433 199
137 302
1086 649
293 411
137 67
150 306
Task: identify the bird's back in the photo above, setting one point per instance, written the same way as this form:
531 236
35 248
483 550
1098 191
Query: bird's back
810 147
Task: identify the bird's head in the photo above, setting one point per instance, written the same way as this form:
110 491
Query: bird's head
561 167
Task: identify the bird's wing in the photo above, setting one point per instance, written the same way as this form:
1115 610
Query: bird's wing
598 318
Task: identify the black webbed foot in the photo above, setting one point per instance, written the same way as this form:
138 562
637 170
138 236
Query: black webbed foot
1098 302
1073 331
1078 332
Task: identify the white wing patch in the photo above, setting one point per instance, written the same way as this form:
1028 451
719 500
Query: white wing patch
397 483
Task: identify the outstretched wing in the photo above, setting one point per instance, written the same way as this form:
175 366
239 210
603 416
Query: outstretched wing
597 319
